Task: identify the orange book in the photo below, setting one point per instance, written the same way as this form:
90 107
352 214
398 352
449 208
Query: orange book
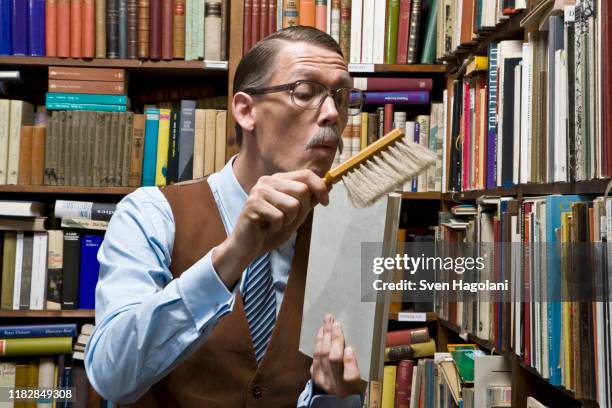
38 155
307 13
63 28
25 156
167 29
51 28
76 28
89 28
321 16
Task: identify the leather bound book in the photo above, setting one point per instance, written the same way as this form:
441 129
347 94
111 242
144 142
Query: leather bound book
466 21
122 29
87 74
403 32
51 28
246 33
25 156
255 20
155 29
100 28
263 18
415 23
89 28
132 29
212 27
166 26
38 155
272 10
345 29
178 35
76 27
291 13
224 22
112 28
93 87
143 28
63 28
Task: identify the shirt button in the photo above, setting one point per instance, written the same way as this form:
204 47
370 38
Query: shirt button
257 391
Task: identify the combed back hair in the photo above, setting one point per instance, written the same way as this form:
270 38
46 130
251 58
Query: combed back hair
256 68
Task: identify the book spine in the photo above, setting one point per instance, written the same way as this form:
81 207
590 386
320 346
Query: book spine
397 98
42 330
345 29
356 30
334 20
70 279
415 23
38 155
49 165
58 146
89 29
307 13
122 29
167 29
19 27
87 74
91 147
76 28
212 26
178 36
125 150
428 54
85 107
5 109
100 28
163 139
291 14
150 147
89 270
112 28
393 84
220 142
86 98
403 32
143 29
36 26
196 152
35 346
63 28
321 15
132 29
173 155
89 87
186 140
8 269
114 153
246 32
263 19
39 271
6 44
24 174
21 114
492 118
137 150
272 15
391 31
223 54
210 123
155 29
255 20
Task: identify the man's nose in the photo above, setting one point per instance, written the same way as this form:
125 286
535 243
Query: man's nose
329 113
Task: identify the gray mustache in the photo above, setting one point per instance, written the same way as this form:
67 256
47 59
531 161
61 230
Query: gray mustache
326 135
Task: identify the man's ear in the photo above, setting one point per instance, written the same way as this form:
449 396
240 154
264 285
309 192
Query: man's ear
242 108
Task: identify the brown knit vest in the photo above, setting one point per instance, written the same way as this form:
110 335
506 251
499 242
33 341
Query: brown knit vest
223 372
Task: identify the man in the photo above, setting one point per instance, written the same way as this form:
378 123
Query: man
202 283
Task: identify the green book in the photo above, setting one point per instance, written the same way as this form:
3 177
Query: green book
391 33
35 346
464 359
428 55
8 270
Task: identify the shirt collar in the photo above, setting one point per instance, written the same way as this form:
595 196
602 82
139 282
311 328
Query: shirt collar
231 194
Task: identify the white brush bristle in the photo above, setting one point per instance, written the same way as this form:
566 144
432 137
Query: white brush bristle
387 171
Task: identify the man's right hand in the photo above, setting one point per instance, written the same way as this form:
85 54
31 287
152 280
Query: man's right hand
276 207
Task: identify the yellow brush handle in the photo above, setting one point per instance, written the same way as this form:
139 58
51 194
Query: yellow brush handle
335 174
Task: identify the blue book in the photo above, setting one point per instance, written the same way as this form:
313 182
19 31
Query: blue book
89 270
99 99
397 98
38 330
85 107
417 132
19 26
492 118
36 26
6 44
123 29
555 205
149 159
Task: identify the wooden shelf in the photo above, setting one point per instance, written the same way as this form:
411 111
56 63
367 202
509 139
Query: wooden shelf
81 313
422 196
579 187
120 191
430 317
129 64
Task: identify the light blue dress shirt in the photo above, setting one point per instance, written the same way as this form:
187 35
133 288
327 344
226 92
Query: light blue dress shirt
146 321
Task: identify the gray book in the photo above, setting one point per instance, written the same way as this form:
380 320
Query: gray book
66 136
83 143
123 29
126 151
98 148
91 145
75 143
186 134
117 157
26 271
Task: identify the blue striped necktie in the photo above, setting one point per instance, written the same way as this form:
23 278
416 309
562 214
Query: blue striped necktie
260 303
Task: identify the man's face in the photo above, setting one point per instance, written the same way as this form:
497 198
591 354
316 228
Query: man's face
282 130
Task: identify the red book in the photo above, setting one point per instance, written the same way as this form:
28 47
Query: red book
167 28
89 28
76 30
403 384
63 28
246 33
403 32
466 136
263 19
407 337
388 124
155 29
393 84
526 285
272 16
321 16
255 21
51 28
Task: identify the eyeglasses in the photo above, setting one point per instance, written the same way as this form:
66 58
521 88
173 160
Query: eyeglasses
311 95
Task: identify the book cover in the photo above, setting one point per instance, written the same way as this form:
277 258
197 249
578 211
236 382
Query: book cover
70 272
19 27
76 28
163 139
36 27
89 29
89 270
150 147
100 29
6 31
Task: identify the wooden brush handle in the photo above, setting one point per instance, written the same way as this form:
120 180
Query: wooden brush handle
335 174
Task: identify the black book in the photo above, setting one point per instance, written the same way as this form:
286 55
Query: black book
70 278
173 149
112 28
508 121
455 149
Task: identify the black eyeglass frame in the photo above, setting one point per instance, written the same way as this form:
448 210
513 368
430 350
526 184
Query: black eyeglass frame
291 88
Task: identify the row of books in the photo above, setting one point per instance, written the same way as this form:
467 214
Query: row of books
555 258
146 29
395 32
531 112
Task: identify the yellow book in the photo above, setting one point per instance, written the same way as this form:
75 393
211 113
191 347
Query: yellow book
478 64
220 142
210 128
163 140
566 326
364 130
198 144
388 388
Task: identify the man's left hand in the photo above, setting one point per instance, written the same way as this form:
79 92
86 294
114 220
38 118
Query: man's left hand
334 367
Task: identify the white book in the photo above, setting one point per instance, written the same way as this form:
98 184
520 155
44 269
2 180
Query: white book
279 15
378 53
188 29
10 208
560 161
38 285
5 111
367 39
22 113
335 23
517 122
198 144
18 268
356 29
46 377
444 187
525 151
